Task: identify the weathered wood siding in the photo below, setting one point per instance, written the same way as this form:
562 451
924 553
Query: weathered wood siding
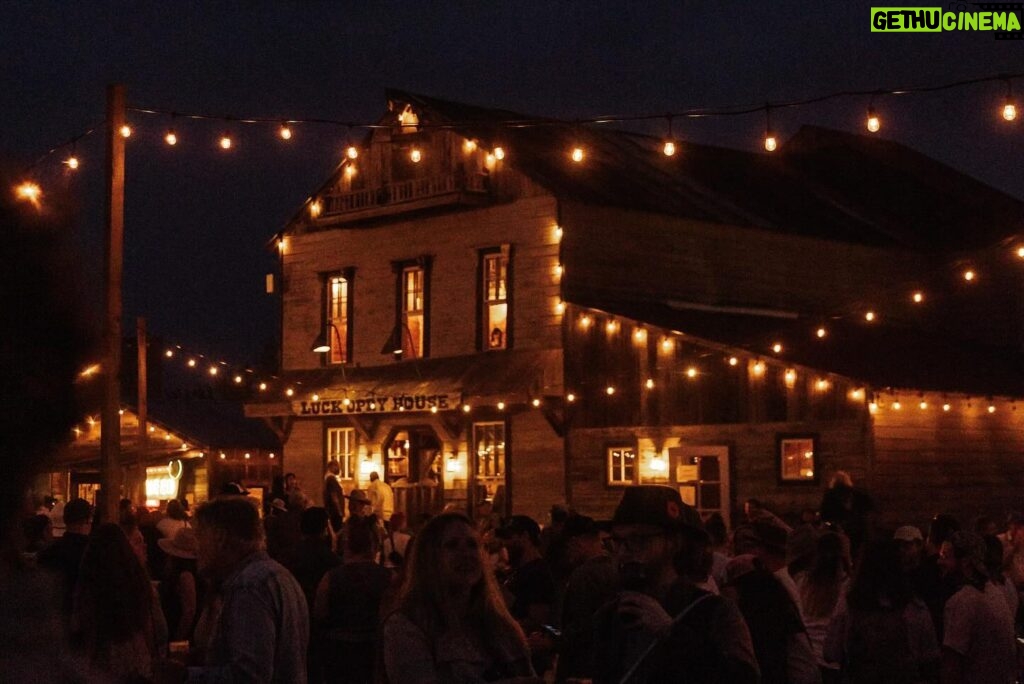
453 240
842 445
966 461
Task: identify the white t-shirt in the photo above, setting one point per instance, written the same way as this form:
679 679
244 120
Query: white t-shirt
979 626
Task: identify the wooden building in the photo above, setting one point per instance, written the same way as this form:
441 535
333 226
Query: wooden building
498 321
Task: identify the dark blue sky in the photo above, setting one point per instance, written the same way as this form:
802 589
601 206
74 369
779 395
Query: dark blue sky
197 219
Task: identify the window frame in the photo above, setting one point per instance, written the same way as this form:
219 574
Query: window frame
424 263
483 325
348 275
609 448
348 467
782 439
473 460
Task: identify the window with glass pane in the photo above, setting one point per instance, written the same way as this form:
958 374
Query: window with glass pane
621 465
412 312
489 449
341 447
495 301
337 319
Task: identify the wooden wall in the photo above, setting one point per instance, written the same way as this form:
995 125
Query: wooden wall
453 239
966 461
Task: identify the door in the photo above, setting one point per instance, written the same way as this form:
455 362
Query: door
702 475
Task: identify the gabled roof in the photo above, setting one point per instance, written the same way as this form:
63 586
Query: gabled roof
821 183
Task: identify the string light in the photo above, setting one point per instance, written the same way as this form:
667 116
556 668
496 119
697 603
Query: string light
691 372
225 141
777 348
667 344
1009 111
577 154
821 332
29 191
352 152
609 390
649 384
896 406
289 392
946 407
640 335
758 368
1020 252
285 131
873 123
857 394
585 321
669 148
415 155
536 403
733 361
969 275
501 406
468 145
991 408
923 405
499 152
72 162
213 370
790 377
918 297
869 316
125 131
770 144
170 137
191 363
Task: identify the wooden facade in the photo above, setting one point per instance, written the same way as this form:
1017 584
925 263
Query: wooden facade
642 305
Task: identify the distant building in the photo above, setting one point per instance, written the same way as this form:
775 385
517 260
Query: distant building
529 329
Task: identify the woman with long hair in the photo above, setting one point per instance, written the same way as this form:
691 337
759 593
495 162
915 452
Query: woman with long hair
116 620
822 587
882 634
450 624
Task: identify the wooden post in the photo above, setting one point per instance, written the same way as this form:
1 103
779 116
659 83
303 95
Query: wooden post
110 435
143 404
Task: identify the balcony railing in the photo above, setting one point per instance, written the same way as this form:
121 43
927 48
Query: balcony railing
429 191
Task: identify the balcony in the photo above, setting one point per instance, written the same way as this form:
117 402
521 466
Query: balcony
405 196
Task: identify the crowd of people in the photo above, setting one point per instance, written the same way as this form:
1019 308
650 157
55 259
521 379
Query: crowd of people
228 593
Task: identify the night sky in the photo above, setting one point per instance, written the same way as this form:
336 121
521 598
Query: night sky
198 219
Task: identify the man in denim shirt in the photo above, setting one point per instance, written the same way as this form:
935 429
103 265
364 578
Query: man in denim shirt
262 632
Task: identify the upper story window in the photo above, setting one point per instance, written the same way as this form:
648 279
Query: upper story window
412 322
621 465
338 317
495 307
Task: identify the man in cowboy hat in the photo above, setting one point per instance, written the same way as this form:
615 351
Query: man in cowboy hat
661 627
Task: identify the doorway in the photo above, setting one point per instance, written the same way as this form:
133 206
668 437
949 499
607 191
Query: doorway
702 475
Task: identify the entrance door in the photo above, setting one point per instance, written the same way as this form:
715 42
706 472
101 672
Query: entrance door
702 475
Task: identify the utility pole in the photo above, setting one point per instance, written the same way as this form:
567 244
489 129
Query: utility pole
142 384
110 425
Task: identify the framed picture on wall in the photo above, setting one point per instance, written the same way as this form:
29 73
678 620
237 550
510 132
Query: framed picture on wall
798 458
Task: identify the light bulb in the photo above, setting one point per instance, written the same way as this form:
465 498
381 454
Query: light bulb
821 332
577 154
969 275
415 155
499 153
609 390
873 123
351 151
29 191
72 162
770 143
650 383
733 361
225 142
570 397
691 372
350 170
869 316
285 132
669 149
469 145
171 138
125 131
1020 252
777 348
1009 111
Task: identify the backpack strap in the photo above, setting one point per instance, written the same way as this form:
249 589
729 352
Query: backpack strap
662 637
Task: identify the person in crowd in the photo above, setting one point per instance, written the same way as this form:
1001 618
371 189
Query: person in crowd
882 634
313 558
262 632
995 567
769 542
116 621
347 606
45 346
181 592
130 526
38 533
396 542
64 556
911 545
800 548
755 510
174 520
592 582
282 530
1014 548
978 644
381 496
659 624
929 582
847 508
783 649
450 623
294 497
359 504
720 552
126 509
334 499
823 589
986 525
529 586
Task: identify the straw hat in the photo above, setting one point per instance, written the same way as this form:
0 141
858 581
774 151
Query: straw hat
184 544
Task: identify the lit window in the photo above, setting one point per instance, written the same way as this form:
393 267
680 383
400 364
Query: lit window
495 312
338 303
621 465
341 447
413 312
489 460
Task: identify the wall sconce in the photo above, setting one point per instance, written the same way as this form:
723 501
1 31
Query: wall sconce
366 466
453 465
658 464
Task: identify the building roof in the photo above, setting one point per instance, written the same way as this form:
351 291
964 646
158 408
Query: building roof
821 183
880 354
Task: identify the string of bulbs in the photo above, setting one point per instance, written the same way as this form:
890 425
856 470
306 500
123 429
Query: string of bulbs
286 125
